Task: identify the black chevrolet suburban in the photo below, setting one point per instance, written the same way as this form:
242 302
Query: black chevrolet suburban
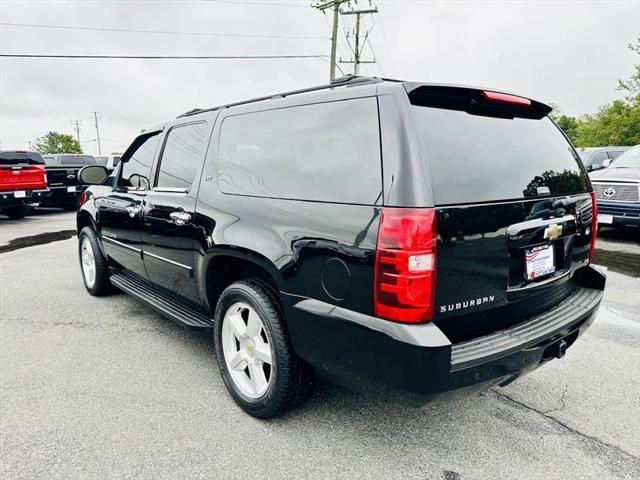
395 237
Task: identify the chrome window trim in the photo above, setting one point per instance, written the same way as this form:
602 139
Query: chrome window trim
170 190
120 244
163 259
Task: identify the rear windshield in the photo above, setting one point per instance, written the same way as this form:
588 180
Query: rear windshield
20 158
475 158
76 160
630 159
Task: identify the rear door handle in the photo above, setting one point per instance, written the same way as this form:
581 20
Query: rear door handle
133 210
180 218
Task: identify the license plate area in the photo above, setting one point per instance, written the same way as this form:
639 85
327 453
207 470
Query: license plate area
539 262
20 194
71 189
604 218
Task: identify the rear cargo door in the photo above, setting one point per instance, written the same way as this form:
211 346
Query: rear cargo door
513 206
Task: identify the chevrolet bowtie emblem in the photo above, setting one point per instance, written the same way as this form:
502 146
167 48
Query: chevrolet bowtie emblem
552 231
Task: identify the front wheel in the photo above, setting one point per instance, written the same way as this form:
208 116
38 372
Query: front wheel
257 363
93 264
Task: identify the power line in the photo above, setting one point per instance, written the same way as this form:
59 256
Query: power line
161 32
269 4
335 6
125 2
386 45
160 57
357 49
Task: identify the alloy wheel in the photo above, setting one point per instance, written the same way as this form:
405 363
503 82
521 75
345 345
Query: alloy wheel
247 350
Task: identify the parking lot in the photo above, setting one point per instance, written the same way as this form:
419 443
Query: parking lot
107 388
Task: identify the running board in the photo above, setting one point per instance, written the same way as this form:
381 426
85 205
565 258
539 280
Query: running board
147 293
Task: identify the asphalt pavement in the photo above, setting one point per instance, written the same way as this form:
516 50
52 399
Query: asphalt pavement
107 388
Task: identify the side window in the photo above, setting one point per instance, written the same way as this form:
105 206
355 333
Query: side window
615 154
136 171
324 152
598 158
182 155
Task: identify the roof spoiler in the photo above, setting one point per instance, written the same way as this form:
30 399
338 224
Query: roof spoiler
476 101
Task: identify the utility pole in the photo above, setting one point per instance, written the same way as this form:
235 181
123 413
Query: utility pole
95 117
77 124
357 51
30 147
335 5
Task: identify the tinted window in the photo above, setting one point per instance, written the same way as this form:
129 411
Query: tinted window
630 159
13 158
182 155
20 158
598 158
615 153
474 158
136 171
325 152
73 160
116 161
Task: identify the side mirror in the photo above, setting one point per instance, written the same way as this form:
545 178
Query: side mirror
606 163
93 175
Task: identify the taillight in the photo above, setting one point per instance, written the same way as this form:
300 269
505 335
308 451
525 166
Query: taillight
594 225
83 197
506 98
405 271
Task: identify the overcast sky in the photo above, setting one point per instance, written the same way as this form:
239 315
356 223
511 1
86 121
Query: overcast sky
567 52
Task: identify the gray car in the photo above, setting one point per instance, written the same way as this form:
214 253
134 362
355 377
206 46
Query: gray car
595 158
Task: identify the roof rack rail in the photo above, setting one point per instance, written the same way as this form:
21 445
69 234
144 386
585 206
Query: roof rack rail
346 80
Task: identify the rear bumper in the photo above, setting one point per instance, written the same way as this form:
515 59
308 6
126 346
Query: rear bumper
624 213
32 197
61 195
418 362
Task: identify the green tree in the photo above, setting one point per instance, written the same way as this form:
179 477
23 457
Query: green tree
614 124
55 142
569 126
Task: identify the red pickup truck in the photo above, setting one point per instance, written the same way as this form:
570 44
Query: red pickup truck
23 182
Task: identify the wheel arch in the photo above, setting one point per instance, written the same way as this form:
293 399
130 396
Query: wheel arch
230 264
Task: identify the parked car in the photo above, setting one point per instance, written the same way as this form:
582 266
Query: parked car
595 158
23 182
62 170
110 162
406 237
617 189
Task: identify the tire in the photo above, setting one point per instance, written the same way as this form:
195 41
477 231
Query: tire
241 357
97 284
18 212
